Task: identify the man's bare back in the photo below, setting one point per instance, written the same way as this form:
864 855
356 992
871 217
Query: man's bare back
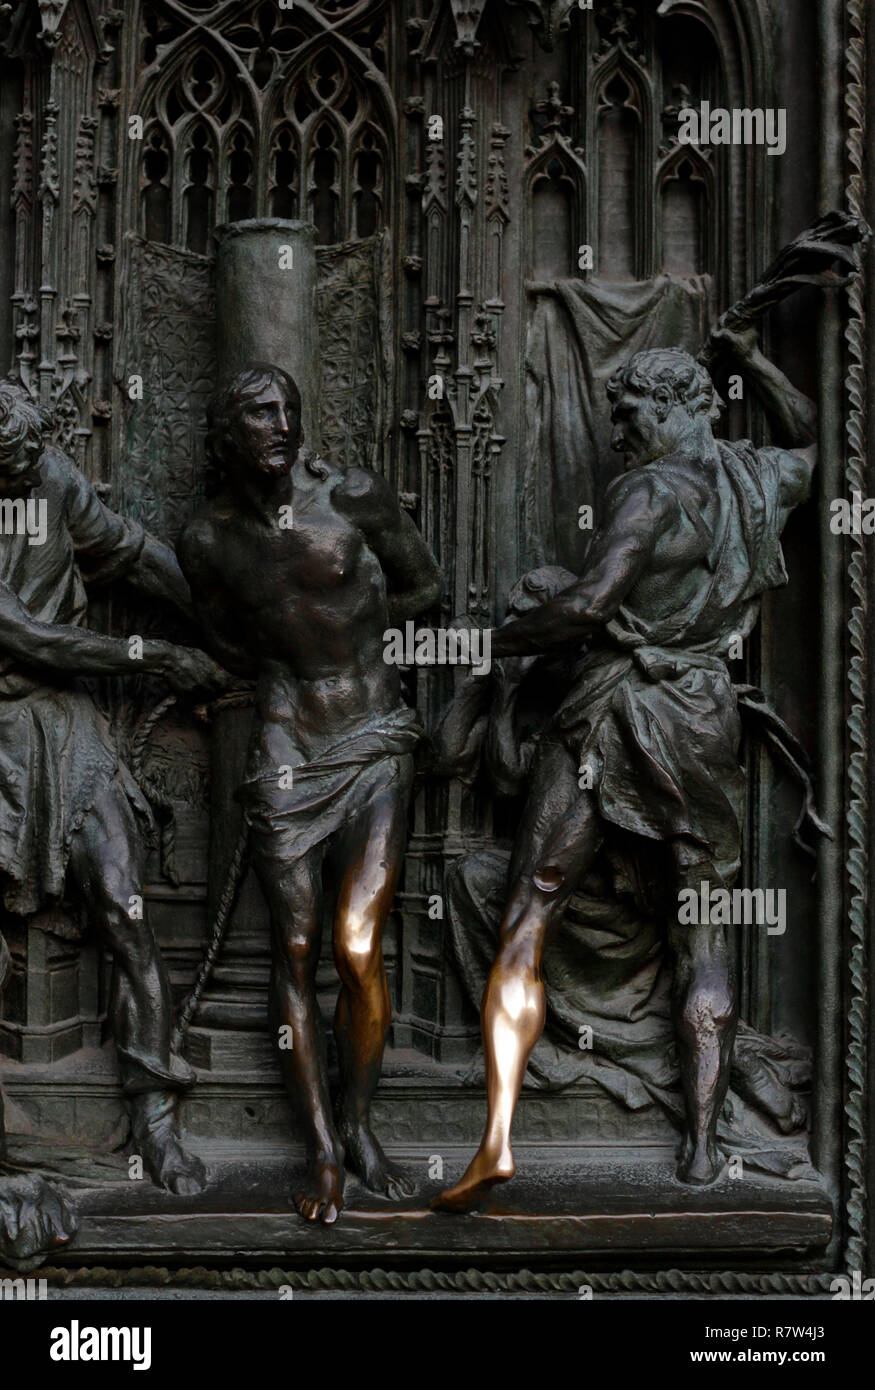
673 502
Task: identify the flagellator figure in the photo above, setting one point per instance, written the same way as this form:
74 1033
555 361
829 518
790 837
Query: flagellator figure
688 543
73 821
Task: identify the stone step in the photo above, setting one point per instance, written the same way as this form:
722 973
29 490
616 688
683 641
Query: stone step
608 1208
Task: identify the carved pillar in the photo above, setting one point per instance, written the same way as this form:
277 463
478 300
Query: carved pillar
266 304
264 313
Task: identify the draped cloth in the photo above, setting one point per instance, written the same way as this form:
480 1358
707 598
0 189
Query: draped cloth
56 750
328 791
580 333
653 704
57 756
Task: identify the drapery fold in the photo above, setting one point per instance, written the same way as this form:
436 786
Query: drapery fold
580 333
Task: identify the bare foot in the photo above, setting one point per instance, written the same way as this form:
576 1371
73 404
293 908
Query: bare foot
365 1158
484 1171
700 1164
321 1197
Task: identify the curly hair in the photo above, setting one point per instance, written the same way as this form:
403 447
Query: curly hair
233 394
22 423
671 369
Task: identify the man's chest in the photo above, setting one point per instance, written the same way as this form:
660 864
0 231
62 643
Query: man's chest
310 548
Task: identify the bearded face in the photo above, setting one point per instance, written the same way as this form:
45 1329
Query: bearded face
265 433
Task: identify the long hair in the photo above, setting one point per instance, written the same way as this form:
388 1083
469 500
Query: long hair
233 394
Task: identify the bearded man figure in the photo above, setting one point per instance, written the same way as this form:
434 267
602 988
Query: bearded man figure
297 568
72 818
689 541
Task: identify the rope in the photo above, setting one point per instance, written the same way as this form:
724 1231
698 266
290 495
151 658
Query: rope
233 878
231 888
464 1281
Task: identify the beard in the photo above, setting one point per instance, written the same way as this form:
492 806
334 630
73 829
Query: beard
275 462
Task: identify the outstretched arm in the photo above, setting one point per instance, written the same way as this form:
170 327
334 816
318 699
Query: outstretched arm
638 514
54 647
413 580
109 546
792 414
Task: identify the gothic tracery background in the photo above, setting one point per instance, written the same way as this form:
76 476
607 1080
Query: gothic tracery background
455 258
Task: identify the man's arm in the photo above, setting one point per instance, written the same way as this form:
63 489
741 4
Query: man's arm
413 579
109 546
792 414
54 647
639 513
196 549
156 572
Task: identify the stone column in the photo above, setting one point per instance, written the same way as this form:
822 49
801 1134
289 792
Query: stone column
266 312
266 304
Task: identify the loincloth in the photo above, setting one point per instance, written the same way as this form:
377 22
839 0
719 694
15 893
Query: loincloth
56 759
330 790
661 731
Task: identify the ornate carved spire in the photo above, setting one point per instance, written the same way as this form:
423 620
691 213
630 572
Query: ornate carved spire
466 181
51 14
548 18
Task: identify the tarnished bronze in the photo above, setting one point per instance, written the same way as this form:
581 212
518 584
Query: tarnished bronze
689 541
296 569
450 224
76 821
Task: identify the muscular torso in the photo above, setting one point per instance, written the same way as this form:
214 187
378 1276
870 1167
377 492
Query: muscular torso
304 607
699 569
678 564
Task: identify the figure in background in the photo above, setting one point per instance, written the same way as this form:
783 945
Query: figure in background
72 819
34 1215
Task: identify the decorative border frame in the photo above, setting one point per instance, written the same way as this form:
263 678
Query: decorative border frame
858 816
854 1213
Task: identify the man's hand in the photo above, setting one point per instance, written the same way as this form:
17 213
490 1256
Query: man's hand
186 668
793 416
740 343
